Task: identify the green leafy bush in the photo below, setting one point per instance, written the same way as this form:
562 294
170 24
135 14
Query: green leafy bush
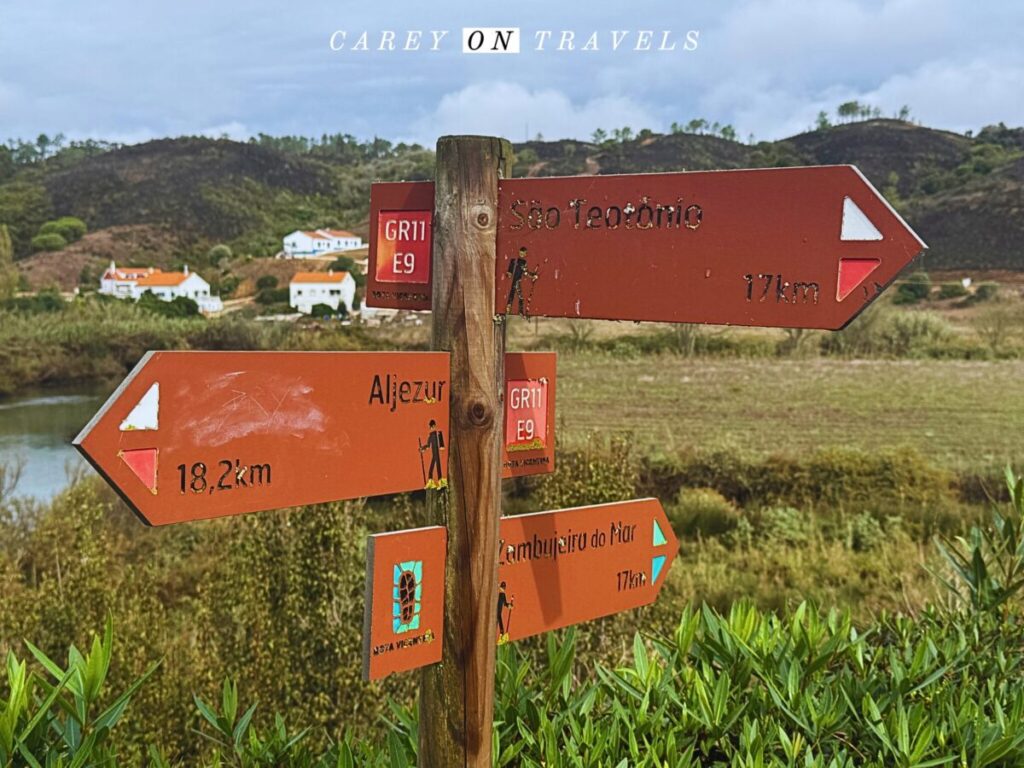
702 511
179 306
599 473
264 282
68 227
219 253
952 291
322 310
48 242
268 296
917 287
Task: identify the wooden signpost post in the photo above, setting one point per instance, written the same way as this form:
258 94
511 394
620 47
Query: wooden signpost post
196 435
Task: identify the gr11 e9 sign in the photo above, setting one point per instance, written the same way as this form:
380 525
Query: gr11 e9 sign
781 247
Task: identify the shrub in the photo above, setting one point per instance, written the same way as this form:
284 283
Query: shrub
266 281
343 264
50 241
179 306
322 310
952 291
269 296
866 533
68 227
912 333
600 472
785 525
43 301
917 287
986 292
704 512
218 253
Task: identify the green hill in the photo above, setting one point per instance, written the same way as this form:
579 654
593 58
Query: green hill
963 194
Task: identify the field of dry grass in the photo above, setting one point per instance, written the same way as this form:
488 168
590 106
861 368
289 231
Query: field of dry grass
964 415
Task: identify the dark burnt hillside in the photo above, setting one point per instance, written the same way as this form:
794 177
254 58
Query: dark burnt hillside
965 195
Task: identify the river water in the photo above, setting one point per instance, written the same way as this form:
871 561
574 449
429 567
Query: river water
37 427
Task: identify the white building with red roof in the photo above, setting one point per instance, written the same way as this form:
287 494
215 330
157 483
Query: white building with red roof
307 289
303 244
133 282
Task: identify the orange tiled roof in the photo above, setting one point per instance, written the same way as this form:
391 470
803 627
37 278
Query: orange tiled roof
163 279
319 277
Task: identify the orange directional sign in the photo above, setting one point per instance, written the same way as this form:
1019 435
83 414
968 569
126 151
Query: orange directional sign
404 612
528 447
193 435
781 247
574 565
555 569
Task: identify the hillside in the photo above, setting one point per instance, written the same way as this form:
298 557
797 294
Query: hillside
963 194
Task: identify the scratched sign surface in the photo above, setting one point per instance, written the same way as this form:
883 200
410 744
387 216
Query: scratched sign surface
194 435
781 247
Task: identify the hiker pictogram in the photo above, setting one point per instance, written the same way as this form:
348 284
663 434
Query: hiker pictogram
518 270
434 476
505 606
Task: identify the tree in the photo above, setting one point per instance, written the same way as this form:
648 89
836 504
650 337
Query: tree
697 125
848 110
8 272
266 281
48 241
68 227
904 114
676 127
343 264
728 133
218 253
599 136
823 123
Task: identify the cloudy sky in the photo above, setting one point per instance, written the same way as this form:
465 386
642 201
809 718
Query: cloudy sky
131 70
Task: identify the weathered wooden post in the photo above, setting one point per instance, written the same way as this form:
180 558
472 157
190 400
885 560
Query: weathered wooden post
457 697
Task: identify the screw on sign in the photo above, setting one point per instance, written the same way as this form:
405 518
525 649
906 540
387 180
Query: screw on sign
194 435
780 247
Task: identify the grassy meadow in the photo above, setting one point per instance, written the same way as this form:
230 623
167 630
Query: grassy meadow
965 415
818 470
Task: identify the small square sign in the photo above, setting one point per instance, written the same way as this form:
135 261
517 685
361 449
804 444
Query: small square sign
526 421
404 612
528 447
403 242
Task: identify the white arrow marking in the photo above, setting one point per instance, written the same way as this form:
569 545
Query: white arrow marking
857 226
146 413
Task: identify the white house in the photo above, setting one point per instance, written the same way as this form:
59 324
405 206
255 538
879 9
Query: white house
121 281
132 282
307 289
302 244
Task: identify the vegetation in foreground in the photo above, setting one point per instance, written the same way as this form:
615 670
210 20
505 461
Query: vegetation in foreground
745 688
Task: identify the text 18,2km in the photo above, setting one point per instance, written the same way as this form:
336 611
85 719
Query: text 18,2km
225 475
